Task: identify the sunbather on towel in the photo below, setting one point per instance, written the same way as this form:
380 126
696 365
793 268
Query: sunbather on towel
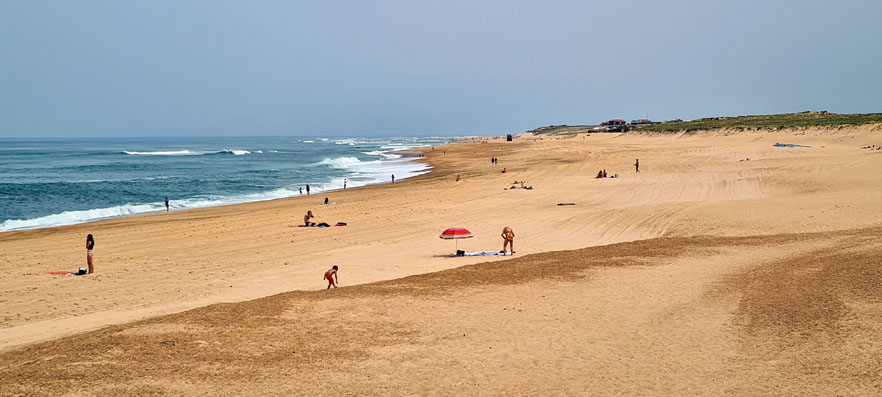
307 217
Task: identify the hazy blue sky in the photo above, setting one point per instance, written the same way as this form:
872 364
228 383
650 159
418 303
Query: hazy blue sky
188 68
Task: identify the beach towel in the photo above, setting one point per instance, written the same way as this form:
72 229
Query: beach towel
59 272
481 253
788 145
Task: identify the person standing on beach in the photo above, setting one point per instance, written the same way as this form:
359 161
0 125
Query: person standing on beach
393 178
166 204
508 240
90 243
637 166
301 190
307 189
329 275
344 183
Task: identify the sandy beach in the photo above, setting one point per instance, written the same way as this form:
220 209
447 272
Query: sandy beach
726 265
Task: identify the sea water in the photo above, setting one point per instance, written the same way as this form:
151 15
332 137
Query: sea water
52 182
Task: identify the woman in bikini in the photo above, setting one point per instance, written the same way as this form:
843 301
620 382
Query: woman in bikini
508 236
90 243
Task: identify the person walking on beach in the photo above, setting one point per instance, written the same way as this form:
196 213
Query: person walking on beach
307 217
344 183
301 190
508 240
637 166
329 275
307 189
393 178
90 243
166 204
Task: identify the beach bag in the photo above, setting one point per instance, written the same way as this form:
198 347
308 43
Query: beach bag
81 271
460 253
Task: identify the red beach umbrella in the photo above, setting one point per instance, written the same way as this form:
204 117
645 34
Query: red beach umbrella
456 233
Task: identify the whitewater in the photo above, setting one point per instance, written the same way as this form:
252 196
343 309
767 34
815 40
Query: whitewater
54 182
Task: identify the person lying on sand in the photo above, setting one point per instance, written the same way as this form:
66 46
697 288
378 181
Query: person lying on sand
329 275
307 217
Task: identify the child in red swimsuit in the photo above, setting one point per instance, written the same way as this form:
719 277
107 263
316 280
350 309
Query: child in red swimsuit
329 275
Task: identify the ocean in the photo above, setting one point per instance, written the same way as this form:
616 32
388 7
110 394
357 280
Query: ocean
52 182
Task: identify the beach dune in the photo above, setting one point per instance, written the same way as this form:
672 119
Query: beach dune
704 273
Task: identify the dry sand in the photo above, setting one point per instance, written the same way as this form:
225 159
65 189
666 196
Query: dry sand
702 274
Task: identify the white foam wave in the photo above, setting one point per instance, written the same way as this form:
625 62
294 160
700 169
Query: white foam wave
165 153
374 172
74 217
342 162
383 154
187 152
308 141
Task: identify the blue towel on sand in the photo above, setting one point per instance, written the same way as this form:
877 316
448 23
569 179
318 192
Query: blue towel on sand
483 253
790 145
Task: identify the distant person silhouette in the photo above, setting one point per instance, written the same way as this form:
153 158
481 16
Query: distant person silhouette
307 190
637 165
166 204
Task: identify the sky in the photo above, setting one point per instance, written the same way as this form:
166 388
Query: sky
362 68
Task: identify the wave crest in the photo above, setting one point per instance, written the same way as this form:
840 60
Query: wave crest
341 162
164 153
186 152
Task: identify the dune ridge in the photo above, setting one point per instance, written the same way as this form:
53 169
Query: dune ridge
727 265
